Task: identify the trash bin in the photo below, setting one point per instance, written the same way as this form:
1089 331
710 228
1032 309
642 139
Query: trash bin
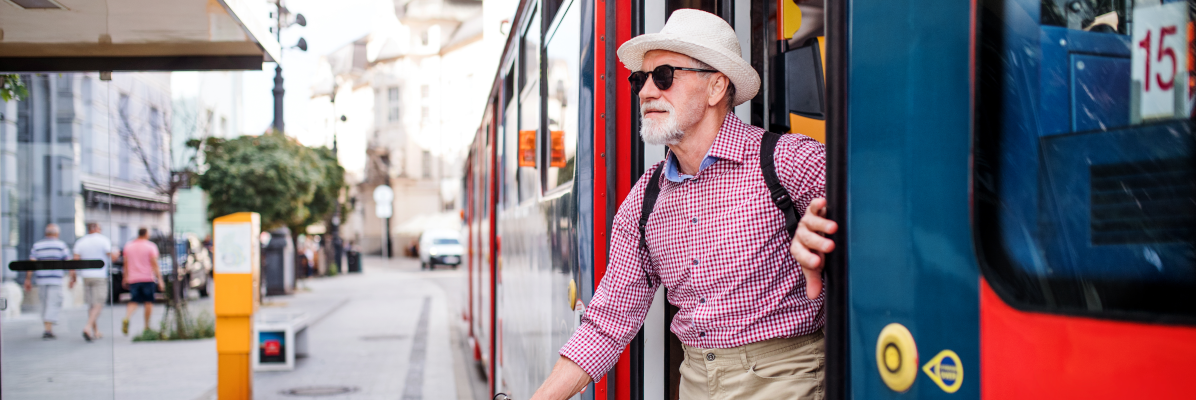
353 261
278 263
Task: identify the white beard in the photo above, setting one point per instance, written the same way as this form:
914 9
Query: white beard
661 132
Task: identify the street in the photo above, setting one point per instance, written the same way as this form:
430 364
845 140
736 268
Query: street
393 331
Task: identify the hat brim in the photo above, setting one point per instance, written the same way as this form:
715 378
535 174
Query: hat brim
740 73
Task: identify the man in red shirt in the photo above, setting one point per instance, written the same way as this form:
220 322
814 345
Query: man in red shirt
141 276
750 295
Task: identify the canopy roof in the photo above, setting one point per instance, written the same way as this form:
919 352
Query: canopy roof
134 35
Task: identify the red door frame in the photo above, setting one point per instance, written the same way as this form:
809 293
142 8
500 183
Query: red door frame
605 80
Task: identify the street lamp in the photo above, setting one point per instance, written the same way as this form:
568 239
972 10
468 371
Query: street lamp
281 21
337 207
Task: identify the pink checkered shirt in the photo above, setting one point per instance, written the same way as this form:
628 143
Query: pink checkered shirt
719 245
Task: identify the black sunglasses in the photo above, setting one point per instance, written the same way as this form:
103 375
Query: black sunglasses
664 76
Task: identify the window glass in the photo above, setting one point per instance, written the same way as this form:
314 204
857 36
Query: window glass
509 177
706 5
1085 174
530 109
394 104
531 53
562 100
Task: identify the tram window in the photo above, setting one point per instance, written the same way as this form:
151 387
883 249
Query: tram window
562 99
1085 174
509 174
1108 16
531 53
706 5
527 146
529 109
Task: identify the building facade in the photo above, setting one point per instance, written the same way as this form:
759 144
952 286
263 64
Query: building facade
79 149
412 94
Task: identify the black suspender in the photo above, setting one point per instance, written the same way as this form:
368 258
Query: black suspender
779 194
652 190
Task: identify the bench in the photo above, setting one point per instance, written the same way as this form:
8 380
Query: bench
279 338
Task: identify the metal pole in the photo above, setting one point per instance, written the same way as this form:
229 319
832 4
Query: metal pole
337 201
278 90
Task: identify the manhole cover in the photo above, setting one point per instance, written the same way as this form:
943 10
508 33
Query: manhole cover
317 391
372 338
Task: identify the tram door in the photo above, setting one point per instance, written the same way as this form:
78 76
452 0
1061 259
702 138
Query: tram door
67 165
790 57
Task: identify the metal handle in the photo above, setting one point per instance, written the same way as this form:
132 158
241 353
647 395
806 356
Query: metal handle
501 396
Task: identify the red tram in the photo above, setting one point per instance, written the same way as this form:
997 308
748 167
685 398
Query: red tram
1010 195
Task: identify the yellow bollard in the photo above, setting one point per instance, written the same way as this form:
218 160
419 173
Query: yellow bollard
237 254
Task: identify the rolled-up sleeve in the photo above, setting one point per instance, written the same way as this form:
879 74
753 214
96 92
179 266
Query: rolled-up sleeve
800 162
619 306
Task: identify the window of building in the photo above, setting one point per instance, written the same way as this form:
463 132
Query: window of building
125 130
1088 206
87 142
562 100
154 150
425 104
426 164
393 104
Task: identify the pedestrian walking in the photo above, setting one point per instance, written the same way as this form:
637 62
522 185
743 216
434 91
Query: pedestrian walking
142 276
93 246
714 224
49 281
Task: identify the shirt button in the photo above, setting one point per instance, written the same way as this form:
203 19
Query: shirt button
693 220
695 262
701 300
710 357
709 354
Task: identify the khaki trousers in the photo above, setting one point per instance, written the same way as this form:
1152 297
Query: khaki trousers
792 368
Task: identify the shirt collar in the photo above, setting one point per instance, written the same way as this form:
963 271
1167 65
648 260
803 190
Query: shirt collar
729 145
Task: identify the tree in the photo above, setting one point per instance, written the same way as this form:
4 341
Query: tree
11 88
329 188
271 174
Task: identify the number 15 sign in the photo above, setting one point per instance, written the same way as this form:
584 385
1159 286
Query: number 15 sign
1159 58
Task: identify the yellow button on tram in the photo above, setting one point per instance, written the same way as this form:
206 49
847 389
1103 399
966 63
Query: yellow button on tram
896 356
571 293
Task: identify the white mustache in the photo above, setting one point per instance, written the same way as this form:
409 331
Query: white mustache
656 105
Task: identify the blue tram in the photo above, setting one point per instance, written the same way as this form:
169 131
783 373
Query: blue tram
1015 181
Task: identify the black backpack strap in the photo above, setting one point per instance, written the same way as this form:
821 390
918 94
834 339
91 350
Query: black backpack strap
779 194
648 201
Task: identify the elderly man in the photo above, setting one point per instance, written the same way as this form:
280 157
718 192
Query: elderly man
713 224
49 281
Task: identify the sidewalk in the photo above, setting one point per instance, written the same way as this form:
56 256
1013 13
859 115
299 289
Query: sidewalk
111 367
368 335
389 332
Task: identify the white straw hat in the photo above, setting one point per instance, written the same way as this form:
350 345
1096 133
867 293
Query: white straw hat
703 36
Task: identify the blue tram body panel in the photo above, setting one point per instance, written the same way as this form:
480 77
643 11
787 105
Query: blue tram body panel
910 254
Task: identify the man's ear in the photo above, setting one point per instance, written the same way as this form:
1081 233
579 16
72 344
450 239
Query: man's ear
716 89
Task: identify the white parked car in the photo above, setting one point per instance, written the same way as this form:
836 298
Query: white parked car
439 248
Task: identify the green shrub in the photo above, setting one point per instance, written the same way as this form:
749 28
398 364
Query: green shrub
202 326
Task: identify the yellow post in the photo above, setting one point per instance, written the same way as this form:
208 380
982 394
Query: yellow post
235 297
